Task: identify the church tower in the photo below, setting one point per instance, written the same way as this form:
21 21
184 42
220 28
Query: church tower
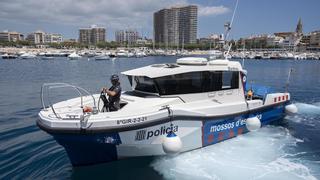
299 27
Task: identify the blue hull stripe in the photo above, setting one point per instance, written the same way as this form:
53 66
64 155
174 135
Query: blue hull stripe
214 131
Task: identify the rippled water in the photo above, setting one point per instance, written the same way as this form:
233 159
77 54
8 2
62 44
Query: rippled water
289 151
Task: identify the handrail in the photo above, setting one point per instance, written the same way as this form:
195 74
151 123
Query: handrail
48 86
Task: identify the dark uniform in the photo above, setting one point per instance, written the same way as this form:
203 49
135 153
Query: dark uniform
114 101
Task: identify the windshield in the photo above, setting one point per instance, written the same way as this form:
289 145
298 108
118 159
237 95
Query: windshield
185 83
145 84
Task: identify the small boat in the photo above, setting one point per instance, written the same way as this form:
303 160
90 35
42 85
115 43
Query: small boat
170 53
47 58
139 54
215 54
74 56
275 56
9 56
258 56
122 53
102 57
28 56
41 54
172 108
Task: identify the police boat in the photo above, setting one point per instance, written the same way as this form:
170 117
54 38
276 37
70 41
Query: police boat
172 108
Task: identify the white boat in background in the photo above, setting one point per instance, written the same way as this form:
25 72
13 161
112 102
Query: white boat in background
41 54
9 56
238 55
275 55
131 54
303 56
159 52
182 53
311 56
215 54
140 54
20 53
170 53
28 56
258 55
266 55
102 57
74 56
290 55
47 58
122 53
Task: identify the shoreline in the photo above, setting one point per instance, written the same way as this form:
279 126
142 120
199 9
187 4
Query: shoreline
132 52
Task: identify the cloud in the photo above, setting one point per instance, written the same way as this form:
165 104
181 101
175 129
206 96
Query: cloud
114 14
212 10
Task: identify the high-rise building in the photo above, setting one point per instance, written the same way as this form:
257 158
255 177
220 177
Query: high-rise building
37 37
129 36
120 36
92 35
85 36
98 34
176 25
40 37
315 38
11 36
4 36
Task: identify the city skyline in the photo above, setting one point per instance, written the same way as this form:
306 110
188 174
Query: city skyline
251 18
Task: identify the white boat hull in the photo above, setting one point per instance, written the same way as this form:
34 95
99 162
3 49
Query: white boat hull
90 147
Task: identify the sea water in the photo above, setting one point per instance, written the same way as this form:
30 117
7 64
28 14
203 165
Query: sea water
290 150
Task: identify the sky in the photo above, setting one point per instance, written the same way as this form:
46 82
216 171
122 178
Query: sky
67 16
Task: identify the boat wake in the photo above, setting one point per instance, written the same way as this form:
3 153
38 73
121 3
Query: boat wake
309 109
308 114
270 153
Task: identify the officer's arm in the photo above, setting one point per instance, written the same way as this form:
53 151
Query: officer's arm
111 93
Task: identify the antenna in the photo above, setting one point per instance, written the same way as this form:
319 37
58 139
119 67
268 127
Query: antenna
228 26
243 54
288 80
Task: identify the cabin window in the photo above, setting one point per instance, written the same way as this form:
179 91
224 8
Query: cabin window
145 84
230 80
130 80
197 82
180 83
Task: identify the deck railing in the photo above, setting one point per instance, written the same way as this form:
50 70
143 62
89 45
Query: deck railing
46 87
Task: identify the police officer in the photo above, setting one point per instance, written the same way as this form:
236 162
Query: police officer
114 93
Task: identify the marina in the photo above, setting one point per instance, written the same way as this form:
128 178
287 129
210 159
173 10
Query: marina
101 54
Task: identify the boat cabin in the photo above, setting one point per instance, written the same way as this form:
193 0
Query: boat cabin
188 76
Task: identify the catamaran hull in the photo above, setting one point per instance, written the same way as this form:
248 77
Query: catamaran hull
85 148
